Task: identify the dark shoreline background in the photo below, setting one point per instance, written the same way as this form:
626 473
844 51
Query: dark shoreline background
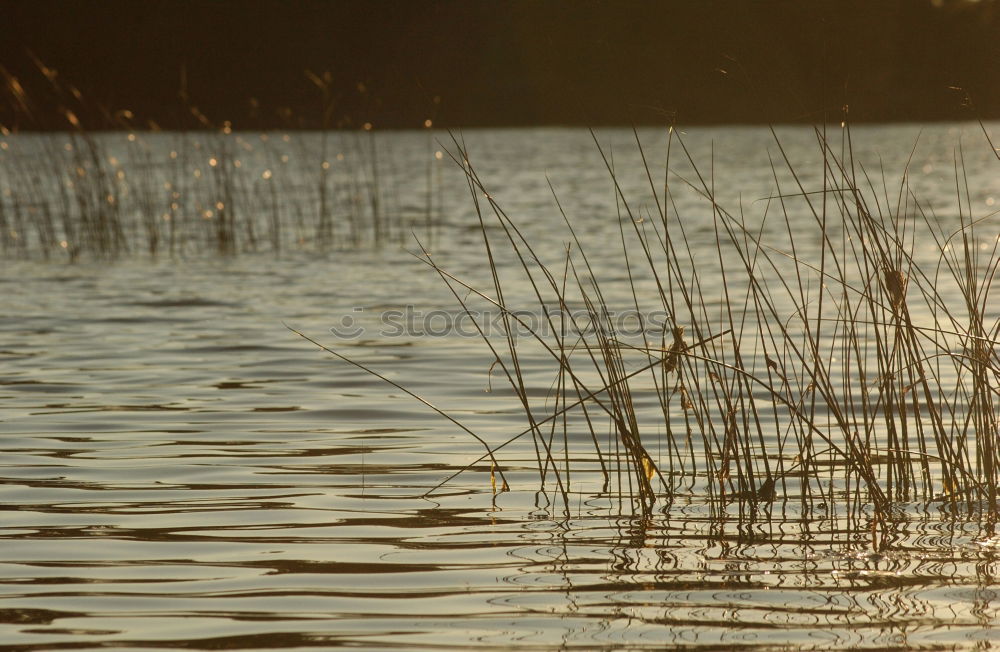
185 64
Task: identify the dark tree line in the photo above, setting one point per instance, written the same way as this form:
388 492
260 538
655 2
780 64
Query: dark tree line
396 63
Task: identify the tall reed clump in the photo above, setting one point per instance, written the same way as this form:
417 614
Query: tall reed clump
837 348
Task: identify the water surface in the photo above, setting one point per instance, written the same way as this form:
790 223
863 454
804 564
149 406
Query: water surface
180 470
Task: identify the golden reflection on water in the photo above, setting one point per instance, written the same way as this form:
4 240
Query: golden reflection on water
287 543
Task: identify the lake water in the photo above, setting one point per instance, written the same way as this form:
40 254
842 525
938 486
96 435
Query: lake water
181 470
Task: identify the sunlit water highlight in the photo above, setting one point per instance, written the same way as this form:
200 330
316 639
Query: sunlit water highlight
180 470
